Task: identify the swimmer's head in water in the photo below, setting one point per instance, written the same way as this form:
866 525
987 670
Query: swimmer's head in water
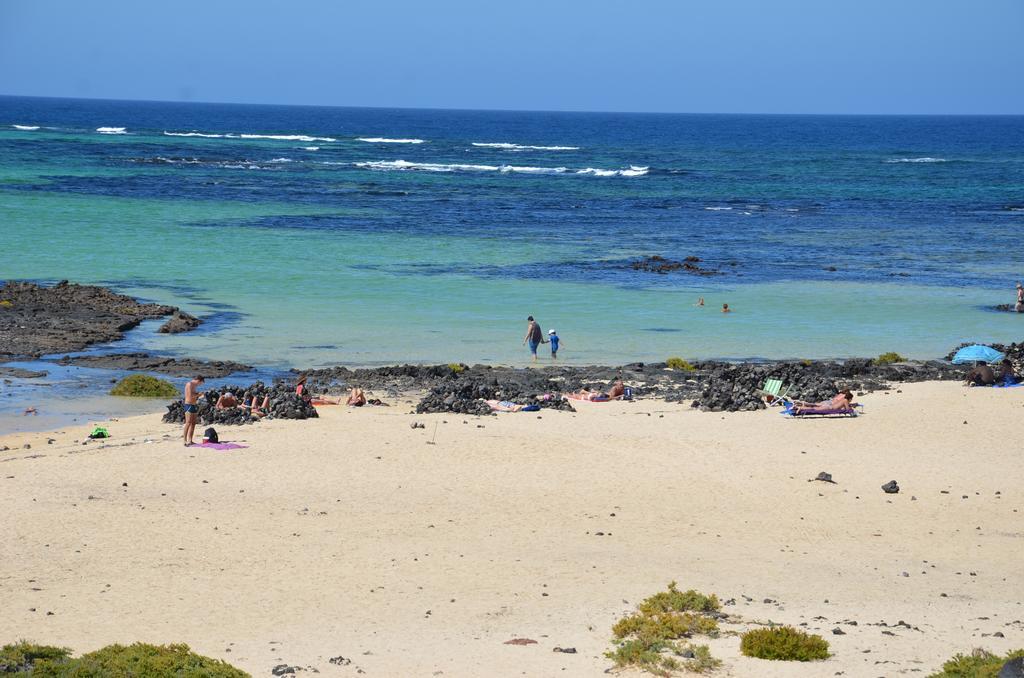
530 318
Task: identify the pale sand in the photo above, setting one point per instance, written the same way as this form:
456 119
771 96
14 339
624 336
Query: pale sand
352 536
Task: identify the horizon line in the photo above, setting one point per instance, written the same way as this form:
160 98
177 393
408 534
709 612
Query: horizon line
500 110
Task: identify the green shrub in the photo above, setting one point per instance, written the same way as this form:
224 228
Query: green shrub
648 639
23 654
784 643
457 368
132 661
677 363
889 358
978 664
143 386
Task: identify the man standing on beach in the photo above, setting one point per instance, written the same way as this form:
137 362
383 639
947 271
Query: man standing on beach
534 336
191 408
1019 306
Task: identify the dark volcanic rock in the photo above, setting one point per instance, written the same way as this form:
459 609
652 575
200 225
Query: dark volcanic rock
891 487
143 362
1006 308
284 404
661 265
180 322
19 373
36 320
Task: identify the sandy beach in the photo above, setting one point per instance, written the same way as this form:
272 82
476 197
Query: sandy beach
353 536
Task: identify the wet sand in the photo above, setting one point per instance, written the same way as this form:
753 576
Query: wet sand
353 536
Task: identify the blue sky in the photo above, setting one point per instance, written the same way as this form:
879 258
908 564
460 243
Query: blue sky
741 56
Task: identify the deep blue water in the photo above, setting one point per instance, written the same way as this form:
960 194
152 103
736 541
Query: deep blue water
939 200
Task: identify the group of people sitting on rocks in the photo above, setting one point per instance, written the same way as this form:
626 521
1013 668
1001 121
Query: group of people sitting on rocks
258 409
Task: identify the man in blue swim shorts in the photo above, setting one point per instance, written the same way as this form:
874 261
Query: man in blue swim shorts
191 407
534 336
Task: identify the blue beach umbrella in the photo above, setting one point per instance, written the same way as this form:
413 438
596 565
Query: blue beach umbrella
972 354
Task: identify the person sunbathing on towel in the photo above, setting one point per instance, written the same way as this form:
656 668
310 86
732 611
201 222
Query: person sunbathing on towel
504 406
842 402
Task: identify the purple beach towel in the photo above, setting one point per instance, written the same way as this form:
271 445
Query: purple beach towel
223 446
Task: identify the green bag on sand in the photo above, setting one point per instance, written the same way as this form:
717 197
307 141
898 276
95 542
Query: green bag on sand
99 432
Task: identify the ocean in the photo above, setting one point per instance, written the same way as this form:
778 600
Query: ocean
311 236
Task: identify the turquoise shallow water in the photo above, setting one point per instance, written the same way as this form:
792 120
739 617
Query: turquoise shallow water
370 252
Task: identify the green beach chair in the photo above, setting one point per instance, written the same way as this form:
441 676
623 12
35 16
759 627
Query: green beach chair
774 388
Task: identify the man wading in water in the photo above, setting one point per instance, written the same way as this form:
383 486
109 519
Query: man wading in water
191 409
534 336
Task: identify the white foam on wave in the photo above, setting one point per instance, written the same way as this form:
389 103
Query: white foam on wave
311 148
111 130
895 160
522 147
385 140
533 170
193 134
403 165
280 137
633 171
718 209
387 165
26 128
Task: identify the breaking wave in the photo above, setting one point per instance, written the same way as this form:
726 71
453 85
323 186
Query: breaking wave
521 147
26 128
192 134
276 137
385 140
311 148
895 160
404 165
111 130
280 137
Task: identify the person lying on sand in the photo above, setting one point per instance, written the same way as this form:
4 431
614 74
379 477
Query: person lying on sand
504 406
356 397
226 401
841 402
981 375
616 391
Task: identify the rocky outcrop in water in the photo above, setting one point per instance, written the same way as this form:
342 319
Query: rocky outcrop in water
180 322
144 362
284 404
37 320
661 265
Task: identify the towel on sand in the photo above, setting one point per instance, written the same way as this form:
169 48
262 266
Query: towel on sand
223 446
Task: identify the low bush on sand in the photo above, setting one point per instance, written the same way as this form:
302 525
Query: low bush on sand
650 638
679 364
144 386
978 664
783 643
114 661
20 656
889 358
